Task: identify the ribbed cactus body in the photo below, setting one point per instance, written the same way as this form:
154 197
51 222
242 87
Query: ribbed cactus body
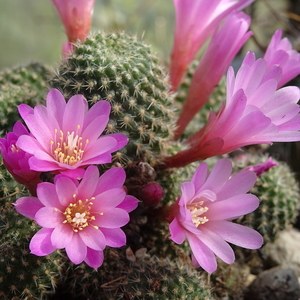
122 70
278 192
25 84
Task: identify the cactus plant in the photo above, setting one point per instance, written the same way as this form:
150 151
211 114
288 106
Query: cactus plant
138 276
22 275
24 84
118 68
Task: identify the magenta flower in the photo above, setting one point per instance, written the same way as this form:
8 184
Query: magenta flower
262 167
76 16
16 160
82 218
65 136
223 47
196 20
254 113
280 52
204 212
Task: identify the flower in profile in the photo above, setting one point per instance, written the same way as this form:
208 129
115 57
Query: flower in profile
255 113
280 52
76 16
16 160
223 47
196 20
80 217
262 167
65 136
203 214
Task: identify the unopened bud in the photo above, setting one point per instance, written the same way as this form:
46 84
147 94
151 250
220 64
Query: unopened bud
151 193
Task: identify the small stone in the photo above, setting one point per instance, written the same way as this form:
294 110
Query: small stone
284 250
274 284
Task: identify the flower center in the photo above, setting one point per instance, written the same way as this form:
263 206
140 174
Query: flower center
197 210
68 148
79 215
14 148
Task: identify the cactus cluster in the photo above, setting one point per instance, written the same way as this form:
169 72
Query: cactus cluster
118 68
24 84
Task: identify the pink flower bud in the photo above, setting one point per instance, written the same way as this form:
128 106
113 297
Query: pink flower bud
151 193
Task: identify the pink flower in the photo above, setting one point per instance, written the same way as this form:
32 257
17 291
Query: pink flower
262 167
195 22
204 212
76 16
16 160
280 52
254 113
82 218
223 47
65 136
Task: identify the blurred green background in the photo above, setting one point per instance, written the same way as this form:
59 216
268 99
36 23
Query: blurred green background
30 30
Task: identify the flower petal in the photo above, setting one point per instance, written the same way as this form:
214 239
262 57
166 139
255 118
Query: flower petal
65 189
49 217
112 219
240 183
75 111
93 238
236 234
177 232
76 250
56 104
215 243
28 206
108 200
115 237
232 208
62 236
46 192
94 258
111 179
129 203
88 183
202 255
40 243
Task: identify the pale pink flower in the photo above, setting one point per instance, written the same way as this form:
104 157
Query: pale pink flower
82 218
255 113
16 160
76 16
203 214
223 47
280 52
65 136
196 20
